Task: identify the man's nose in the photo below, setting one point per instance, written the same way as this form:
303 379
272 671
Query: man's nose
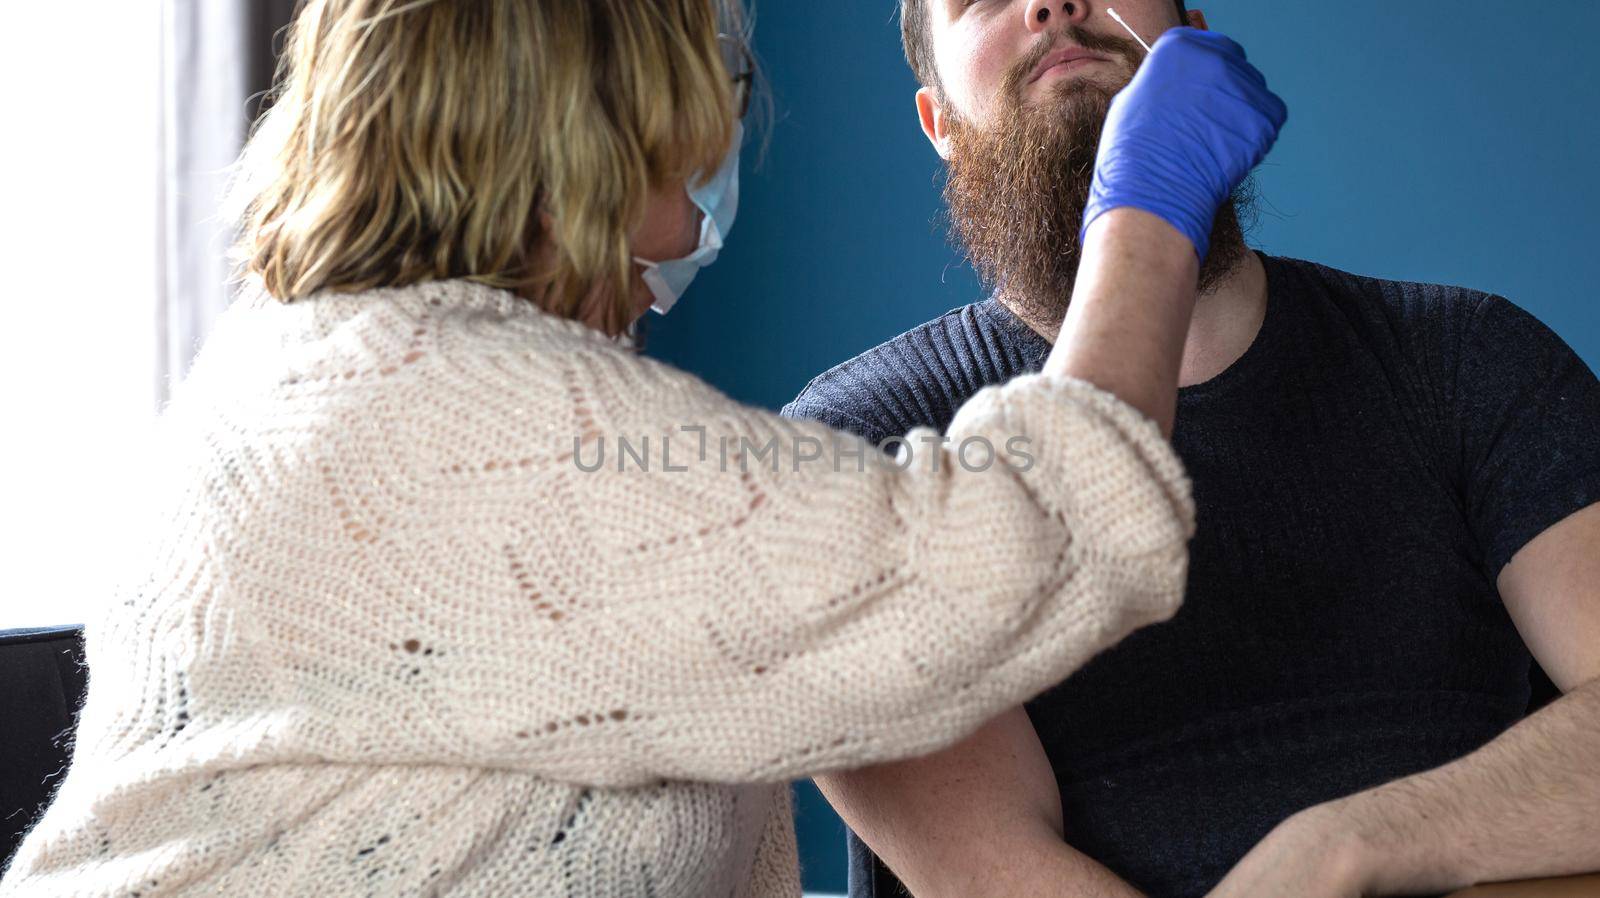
1039 15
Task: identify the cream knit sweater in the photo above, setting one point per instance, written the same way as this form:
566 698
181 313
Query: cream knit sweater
390 638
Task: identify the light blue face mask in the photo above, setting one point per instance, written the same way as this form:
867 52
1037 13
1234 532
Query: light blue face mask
718 202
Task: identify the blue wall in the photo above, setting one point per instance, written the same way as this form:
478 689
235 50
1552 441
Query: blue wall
1429 140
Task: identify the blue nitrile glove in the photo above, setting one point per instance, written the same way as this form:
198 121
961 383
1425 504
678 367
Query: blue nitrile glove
1193 123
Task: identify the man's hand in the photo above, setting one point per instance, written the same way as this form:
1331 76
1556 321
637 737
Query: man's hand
1524 806
1521 807
1308 856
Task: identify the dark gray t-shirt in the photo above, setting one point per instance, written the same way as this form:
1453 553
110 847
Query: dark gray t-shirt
1361 474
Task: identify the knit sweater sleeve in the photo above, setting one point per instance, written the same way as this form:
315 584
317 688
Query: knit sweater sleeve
684 587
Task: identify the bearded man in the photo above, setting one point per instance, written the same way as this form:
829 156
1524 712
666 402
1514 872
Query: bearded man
1397 488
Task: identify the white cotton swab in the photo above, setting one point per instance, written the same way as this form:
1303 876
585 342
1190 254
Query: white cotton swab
1119 21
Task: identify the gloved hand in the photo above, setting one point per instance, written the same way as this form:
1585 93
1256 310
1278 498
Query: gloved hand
1193 123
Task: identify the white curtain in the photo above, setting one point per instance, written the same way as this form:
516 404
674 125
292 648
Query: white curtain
217 60
79 247
117 149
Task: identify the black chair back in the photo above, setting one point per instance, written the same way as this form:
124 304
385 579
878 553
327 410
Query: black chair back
44 677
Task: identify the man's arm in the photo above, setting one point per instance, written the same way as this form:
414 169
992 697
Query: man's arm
1526 805
985 817
981 818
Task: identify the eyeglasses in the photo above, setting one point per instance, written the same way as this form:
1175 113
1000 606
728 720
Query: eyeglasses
741 64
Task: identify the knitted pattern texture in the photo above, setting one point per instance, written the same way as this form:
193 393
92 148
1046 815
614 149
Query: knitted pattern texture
392 636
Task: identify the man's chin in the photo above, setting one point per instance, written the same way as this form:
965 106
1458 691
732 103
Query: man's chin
1053 88
1073 94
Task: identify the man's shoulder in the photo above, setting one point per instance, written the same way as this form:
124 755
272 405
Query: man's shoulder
1415 331
1406 304
916 379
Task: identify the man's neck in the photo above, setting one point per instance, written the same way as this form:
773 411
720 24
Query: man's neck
1226 321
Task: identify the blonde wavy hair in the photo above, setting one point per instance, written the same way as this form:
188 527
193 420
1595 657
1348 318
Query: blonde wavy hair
511 142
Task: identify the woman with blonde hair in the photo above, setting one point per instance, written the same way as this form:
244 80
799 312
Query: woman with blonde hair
398 633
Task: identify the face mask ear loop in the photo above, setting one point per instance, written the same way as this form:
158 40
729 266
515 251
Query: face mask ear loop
718 202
